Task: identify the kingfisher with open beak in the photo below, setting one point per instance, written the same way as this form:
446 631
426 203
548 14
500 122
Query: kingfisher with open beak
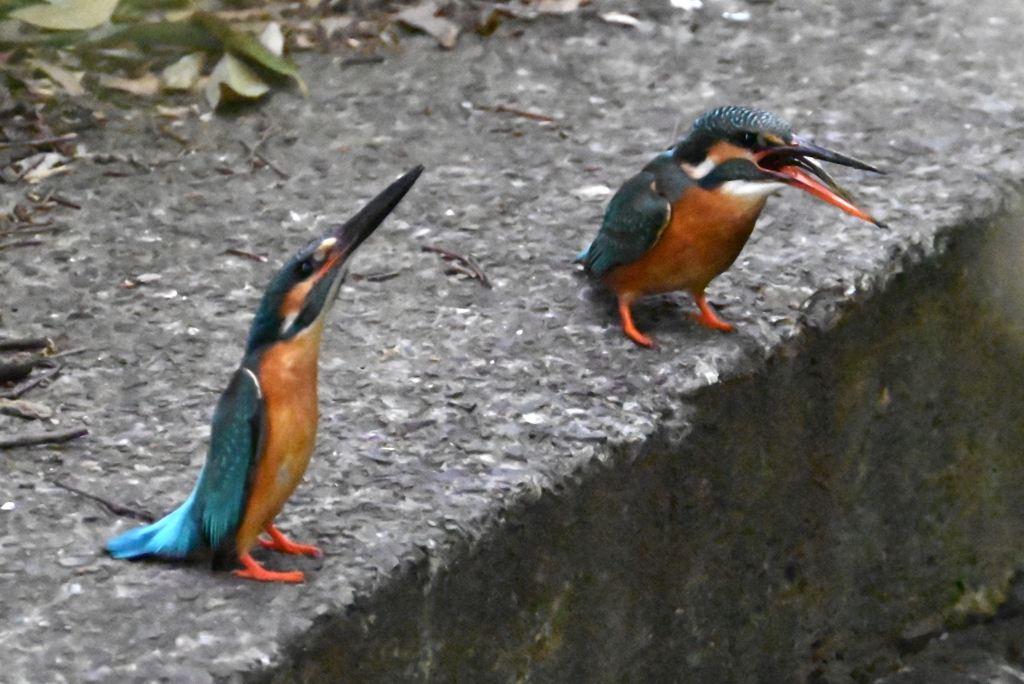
685 218
264 426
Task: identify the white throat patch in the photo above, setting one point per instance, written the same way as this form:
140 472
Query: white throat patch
742 188
288 321
700 170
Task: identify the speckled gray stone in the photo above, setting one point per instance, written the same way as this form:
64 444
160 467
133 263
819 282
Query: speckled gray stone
449 410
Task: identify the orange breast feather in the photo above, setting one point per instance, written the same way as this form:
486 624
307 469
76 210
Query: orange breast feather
705 234
288 379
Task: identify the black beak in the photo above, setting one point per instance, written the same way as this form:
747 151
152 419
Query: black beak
349 235
802 148
353 232
796 161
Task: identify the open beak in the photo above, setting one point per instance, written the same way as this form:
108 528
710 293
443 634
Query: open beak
352 233
796 165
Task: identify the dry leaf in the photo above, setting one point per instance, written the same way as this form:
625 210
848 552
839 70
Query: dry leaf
67 15
231 78
175 112
304 42
273 39
332 25
41 166
422 17
25 409
146 85
620 18
247 46
557 6
592 192
41 88
71 81
183 74
242 15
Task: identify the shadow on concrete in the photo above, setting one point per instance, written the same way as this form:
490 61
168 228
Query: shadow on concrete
820 522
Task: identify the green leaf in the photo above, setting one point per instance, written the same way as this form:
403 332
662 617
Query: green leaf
67 15
184 73
71 81
248 47
178 34
232 79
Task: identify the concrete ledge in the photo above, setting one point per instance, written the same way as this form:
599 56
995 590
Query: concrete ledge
506 487
820 521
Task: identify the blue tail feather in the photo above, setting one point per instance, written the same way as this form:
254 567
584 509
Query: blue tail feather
176 535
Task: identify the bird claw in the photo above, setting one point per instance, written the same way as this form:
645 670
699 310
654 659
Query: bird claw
642 340
707 316
255 571
281 543
629 328
713 322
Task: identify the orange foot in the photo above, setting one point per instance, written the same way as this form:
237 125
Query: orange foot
707 317
631 332
281 543
254 570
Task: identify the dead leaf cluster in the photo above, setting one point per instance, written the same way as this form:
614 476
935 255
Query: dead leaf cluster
22 226
70 48
20 360
38 142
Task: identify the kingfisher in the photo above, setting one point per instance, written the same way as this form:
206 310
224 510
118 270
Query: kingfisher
264 426
686 216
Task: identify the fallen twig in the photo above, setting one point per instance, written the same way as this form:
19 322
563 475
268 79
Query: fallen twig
69 352
25 387
49 199
375 277
45 438
247 255
33 229
503 109
356 60
41 141
176 136
23 243
469 267
254 154
61 199
273 167
26 344
116 509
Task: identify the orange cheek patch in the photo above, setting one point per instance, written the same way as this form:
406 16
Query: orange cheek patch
721 151
292 303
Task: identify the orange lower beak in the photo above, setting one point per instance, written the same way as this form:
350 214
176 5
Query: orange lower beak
799 178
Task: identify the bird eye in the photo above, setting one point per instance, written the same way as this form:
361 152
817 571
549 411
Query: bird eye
306 267
750 140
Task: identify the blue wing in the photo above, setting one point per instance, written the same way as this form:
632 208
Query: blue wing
633 222
212 513
236 441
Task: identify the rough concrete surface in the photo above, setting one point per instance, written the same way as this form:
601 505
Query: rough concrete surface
464 430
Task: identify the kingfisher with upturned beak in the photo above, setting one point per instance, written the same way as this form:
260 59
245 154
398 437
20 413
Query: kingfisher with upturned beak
686 216
264 426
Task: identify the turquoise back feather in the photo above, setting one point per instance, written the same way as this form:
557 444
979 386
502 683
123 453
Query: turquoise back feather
636 216
212 513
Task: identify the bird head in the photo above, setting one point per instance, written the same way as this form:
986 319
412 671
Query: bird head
743 151
304 290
